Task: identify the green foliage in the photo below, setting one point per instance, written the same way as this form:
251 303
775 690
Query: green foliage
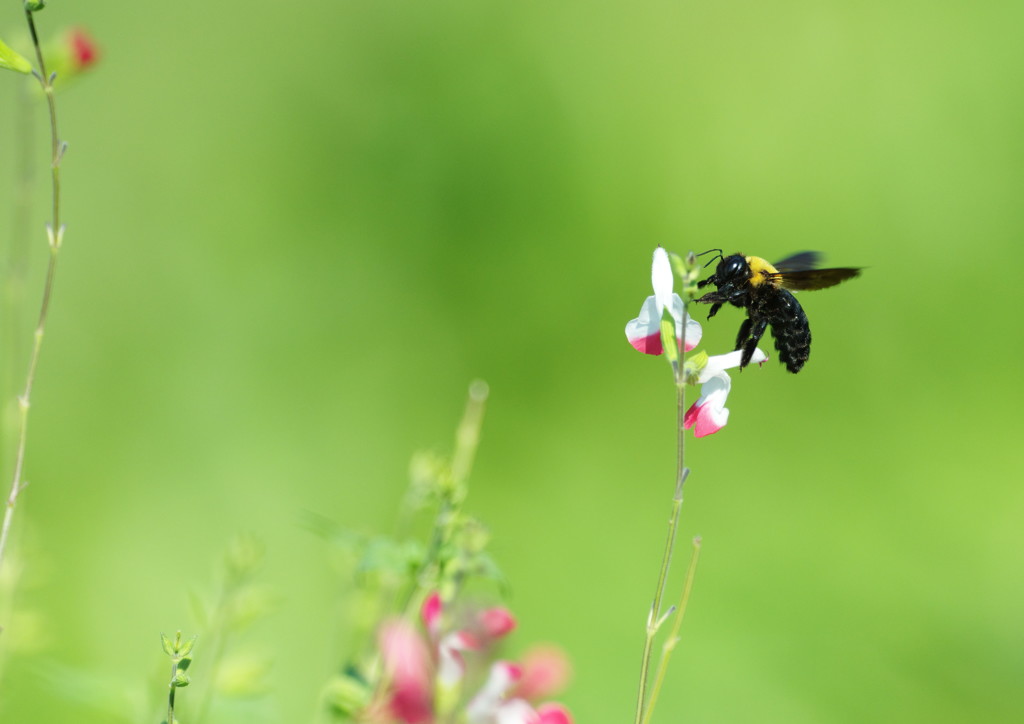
12 60
345 695
178 652
392 576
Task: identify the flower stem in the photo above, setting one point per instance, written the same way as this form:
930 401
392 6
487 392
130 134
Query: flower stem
655 618
55 233
673 637
170 695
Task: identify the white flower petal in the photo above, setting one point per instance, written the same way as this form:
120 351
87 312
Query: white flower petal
482 707
718 363
693 329
516 711
661 279
644 332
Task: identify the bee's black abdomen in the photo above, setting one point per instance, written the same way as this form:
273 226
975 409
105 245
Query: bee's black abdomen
789 327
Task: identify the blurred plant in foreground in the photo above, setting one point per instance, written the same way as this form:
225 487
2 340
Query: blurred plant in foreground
663 327
67 56
237 603
179 653
421 648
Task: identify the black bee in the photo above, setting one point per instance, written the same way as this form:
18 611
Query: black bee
753 283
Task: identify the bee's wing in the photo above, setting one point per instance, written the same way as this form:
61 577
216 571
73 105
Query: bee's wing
816 278
801 261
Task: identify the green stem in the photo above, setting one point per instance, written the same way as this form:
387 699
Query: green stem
170 695
55 234
655 618
673 637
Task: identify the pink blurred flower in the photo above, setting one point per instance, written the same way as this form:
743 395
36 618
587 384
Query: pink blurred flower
546 671
430 613
497 622
408 668
425 674
494 705
84 51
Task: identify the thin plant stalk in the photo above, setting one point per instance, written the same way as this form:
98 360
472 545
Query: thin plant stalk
218 629
170 695
16 262
55 233
656 618
673 637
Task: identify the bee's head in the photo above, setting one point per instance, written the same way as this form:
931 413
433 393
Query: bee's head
732 269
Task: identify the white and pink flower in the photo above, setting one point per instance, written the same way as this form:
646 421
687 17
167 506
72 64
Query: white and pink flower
425 674
644 332
494 705
708 414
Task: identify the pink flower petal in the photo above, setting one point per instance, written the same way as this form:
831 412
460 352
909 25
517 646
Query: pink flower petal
545 672
553 713
497 622
430 613
644 332
84 51
709 414
407 663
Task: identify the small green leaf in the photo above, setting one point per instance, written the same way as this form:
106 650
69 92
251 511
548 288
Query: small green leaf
186 648
669 340
346 695
35 5
386 556
167 644
678 265
487 569
473 535
695 364
12 60
181 679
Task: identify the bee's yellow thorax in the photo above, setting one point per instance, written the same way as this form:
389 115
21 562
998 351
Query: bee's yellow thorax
761 272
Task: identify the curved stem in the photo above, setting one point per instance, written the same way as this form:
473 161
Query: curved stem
673 637
55 233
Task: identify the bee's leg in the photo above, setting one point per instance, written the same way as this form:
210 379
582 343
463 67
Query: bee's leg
756 332
704 282
714 309
744 333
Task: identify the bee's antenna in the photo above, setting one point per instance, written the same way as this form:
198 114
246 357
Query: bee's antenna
714 258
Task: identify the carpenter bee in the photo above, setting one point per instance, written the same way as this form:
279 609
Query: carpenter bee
763 289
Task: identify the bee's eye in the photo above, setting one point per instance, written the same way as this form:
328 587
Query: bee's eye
731 267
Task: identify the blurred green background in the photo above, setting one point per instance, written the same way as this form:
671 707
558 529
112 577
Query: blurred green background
297 231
